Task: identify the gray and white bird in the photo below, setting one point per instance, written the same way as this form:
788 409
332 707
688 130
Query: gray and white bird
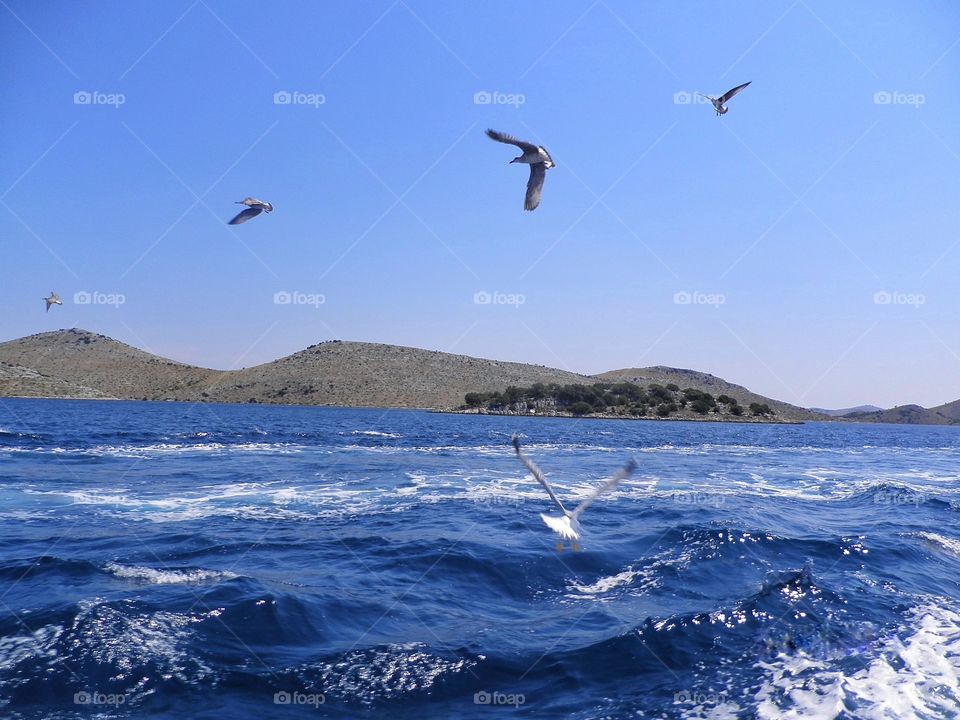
568 525
54 299
719 103
254 208
539 160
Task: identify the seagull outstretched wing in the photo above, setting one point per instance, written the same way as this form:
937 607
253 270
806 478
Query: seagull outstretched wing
538 173
730 93
511 140
538 474
244 215
625 472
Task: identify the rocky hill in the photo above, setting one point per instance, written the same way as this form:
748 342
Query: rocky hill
77 363
946 414
330 373
710 384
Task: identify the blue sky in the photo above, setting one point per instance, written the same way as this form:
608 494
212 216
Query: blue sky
813 229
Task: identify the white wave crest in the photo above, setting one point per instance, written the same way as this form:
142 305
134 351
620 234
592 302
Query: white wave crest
167 576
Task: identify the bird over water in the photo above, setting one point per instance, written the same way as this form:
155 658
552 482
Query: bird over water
539 160
567 525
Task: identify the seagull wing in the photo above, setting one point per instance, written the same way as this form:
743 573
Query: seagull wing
511 140
538 172
537 473
730 93
244 215
606 487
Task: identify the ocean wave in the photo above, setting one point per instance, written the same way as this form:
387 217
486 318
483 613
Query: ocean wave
374 433
950 545
167 576
916 674
382 673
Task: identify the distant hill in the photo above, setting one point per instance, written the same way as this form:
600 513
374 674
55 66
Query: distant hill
946 414
111 368
331 373
77 363
371 374
19 381
708 383
847 411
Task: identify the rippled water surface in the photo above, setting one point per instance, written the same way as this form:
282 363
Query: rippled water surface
183 561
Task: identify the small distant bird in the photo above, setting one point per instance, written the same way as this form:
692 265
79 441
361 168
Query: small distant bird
54 299
719 104
254 208
539 160
567 525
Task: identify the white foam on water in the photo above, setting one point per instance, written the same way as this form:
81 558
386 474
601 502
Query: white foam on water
376 433
15 649
164 449
944 543
606 584
911 675
167 576
383 673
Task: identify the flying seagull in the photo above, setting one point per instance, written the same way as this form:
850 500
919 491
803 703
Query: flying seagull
567 525
54 299
537 157
719 104
254 208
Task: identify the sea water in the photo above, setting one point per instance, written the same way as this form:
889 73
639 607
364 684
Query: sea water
166 560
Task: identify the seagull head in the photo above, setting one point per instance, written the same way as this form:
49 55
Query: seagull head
519 158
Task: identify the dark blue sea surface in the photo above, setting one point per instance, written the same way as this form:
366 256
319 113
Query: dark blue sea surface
212 561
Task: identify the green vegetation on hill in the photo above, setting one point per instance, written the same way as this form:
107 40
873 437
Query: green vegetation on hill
606 398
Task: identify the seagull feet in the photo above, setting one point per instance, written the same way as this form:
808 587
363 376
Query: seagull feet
560 546
575 547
